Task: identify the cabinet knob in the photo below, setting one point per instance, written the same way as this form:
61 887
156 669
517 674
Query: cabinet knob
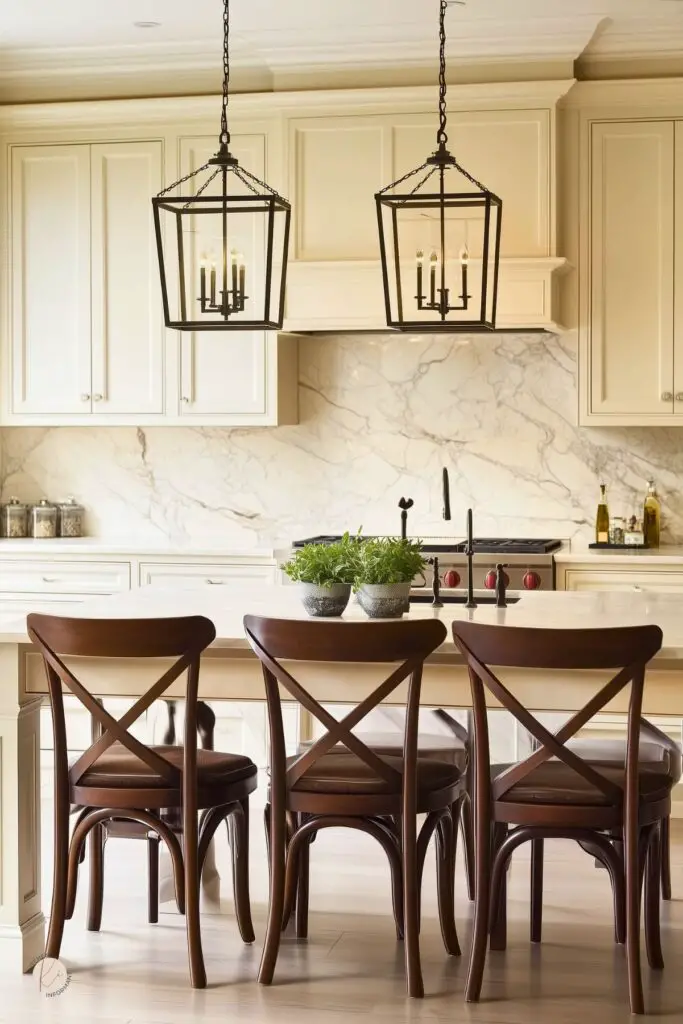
679 396
667 396
184 399
85 398
97 398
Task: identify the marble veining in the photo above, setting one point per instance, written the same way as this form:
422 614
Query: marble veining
380 416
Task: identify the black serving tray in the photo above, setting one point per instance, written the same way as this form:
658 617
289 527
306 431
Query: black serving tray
620 547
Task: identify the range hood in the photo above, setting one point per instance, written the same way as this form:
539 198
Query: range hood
319 296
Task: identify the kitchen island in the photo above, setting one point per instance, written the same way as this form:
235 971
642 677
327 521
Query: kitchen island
230 671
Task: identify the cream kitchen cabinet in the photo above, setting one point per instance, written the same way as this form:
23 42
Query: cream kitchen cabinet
87 334
631 356
235 376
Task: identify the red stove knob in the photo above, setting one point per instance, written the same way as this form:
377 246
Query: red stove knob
531 581
490 581
451 578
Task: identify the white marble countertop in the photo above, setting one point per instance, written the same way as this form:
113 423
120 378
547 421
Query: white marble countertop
672 555
542 609
89 546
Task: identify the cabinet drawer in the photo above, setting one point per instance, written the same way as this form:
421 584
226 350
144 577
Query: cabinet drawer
614 579
64 577
197 574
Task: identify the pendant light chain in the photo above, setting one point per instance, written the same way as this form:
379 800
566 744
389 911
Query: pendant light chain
225 134
441 136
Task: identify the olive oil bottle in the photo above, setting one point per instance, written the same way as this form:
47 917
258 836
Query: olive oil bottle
652 514
602 518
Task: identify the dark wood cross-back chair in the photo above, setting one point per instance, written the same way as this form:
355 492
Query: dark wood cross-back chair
356 788
118 777
555 793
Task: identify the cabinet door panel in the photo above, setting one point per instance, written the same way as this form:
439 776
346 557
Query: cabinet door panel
632 260
128 333
337 165
224 373
50 268
656 582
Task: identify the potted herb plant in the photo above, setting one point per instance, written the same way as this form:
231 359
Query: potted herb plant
325 573
386 569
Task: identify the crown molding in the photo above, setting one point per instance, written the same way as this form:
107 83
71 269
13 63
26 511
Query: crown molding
634 94
191 110
640 37
28 72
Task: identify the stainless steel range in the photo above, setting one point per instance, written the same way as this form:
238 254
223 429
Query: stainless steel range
529 563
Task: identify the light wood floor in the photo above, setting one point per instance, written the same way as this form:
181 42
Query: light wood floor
351 968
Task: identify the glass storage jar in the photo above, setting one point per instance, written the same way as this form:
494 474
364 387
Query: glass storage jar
14 519
70 518
43 520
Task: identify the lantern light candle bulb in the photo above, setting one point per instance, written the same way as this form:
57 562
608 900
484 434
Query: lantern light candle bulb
433 259
419 257
242 273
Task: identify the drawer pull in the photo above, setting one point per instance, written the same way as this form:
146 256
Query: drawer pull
49 579
215 583
636 587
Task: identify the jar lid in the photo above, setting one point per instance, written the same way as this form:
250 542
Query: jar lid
15 503
44 503
72 504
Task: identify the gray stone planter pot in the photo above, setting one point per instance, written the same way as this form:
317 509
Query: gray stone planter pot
325 602
384 600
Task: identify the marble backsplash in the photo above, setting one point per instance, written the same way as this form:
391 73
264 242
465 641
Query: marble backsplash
380 416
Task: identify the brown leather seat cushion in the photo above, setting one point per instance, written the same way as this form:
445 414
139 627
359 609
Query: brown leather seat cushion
342 772
652 756
448 749
556 783
117 767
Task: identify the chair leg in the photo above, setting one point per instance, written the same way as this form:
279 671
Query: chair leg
632 861
411 907
665 851
499 899
96 893
653 940
59 875
278 853
292 879
537 851
447 831
152 879
467 828
240 870
192 883
482 902
301 913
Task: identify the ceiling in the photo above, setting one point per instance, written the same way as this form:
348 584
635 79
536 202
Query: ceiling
272 35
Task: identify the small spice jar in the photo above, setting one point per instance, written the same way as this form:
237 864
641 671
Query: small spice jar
70 518
617 530
14 519
43 520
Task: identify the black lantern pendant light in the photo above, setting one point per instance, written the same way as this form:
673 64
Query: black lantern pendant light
223 250
439 232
